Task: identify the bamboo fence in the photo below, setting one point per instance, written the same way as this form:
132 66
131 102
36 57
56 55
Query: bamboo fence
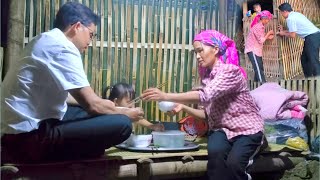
141 42
281 56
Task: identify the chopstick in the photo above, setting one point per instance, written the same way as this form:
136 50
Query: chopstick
135 100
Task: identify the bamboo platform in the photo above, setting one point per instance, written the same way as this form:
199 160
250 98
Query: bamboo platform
120 164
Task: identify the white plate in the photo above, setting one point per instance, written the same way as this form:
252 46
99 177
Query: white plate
187 146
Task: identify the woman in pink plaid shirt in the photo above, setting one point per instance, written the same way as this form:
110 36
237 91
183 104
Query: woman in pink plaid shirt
235 127
254 43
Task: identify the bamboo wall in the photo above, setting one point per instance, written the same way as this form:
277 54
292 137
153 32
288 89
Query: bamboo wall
141 42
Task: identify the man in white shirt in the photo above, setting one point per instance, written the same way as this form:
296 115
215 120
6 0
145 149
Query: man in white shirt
34 97
299 25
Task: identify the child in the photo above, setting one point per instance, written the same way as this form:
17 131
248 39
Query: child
121 94
254 43
256 9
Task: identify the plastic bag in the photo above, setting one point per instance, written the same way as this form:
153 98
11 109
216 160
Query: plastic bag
298 143
280 131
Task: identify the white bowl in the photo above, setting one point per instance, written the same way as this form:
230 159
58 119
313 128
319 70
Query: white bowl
139 140
166 106
169 139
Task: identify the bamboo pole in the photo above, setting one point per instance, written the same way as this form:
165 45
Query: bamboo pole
101 70
117 59
31 20
128 62
95 60
160 62
222 16
165 54
143 69
47 15
122 38
154 112
170 89
148 59
110 61
135 41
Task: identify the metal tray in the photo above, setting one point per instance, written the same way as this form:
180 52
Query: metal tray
187 146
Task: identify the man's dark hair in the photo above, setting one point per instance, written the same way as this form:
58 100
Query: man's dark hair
285 7
73 12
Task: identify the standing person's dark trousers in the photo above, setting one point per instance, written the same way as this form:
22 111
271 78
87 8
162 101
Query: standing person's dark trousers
229 159
257 65
79 137
310 55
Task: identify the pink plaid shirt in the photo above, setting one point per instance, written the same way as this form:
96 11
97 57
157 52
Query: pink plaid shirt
228 103
255 39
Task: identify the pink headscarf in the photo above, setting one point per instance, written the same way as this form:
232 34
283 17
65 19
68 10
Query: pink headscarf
227 48
262 14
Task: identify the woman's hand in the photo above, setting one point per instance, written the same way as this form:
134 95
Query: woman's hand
153 94
270 36
177 108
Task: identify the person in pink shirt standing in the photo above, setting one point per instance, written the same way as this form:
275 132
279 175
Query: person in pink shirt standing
254 43
235 127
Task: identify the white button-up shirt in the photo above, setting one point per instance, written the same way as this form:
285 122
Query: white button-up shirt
301 25
36 87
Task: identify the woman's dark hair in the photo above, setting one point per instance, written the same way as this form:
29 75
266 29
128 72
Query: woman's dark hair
73 12
285 7
119 91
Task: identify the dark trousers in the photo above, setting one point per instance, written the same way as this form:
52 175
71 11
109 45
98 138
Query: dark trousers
229 159
257 65
78 136
310 55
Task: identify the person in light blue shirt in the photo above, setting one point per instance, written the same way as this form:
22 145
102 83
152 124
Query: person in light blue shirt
301 26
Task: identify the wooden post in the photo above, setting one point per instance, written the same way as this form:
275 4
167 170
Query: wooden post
245 8
15 33
144 168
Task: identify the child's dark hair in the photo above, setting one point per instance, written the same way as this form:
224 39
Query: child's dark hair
119 91
256 4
